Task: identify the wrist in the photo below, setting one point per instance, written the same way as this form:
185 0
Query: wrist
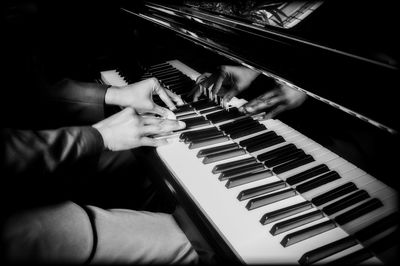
101 132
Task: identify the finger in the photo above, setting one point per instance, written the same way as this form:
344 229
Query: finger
198 92
164 112
171 125
202 77
150 129
165 124
146 141
231 93
217 85
164 97
176 98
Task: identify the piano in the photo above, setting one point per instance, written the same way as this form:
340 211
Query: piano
314 185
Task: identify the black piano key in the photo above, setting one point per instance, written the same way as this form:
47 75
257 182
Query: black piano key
286 158
217 115
213 150
198 132
180 83
183 109
276 152
293 164
186 116
270 198
279 214
307 174
195 122
165 73
318 181
161 68
247 178
334 193
358 211
346 202
160 65
207 141
260 190
209 134
259 139
171 80
248 131
179 89
241 170
295 222
213 109
223 155
202 104
266 144
231 165
242 126
223 116
236 123
306 233
327 250
354 258
256 139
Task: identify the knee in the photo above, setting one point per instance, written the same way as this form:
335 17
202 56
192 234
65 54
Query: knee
59 233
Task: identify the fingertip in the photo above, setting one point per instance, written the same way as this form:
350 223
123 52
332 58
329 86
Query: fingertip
249 109
171 115
181 124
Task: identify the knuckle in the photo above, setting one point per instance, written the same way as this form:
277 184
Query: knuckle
154 80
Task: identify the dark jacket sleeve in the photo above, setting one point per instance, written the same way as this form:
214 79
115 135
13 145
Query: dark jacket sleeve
44 152
74 103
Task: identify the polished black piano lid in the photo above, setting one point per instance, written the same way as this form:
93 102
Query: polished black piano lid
342 54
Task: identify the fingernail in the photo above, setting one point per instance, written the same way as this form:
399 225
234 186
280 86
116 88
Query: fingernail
249 109
181 124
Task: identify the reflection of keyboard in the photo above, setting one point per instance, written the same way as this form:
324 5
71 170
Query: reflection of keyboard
274 195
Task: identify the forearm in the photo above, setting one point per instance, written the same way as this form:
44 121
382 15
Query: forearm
42 152
76 102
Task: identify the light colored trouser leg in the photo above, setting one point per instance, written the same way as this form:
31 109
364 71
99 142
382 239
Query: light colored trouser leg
57 233
126 236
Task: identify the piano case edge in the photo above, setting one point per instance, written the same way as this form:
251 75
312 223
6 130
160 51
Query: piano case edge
205 238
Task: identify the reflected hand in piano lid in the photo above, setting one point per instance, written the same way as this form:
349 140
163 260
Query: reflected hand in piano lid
229 81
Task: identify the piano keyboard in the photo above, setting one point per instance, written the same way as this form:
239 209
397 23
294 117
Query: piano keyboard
274 195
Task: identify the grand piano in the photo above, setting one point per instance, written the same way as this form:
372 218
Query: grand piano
316 184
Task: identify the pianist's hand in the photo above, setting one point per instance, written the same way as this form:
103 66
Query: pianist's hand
126 130
279 99
233 79
139 96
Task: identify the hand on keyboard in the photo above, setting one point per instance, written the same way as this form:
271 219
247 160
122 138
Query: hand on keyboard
126 130
139 96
